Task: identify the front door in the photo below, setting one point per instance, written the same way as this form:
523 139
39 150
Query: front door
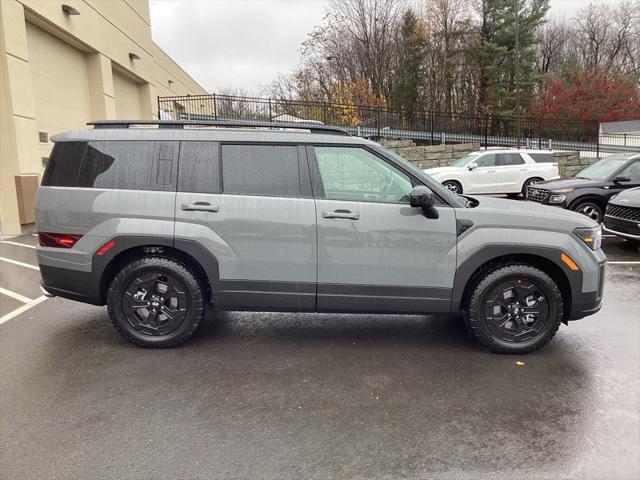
375 252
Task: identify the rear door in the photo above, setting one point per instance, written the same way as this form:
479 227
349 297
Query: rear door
375 252
511 171
250 205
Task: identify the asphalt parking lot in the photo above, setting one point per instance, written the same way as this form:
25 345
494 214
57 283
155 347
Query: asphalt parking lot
284 396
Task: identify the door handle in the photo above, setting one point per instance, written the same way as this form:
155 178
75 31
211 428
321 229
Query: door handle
346 214
491 171
200 207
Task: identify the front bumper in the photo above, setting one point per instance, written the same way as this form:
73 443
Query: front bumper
624 228
588 303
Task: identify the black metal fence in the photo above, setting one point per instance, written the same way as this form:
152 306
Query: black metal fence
422 127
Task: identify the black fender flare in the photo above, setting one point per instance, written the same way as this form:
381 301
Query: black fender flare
538 255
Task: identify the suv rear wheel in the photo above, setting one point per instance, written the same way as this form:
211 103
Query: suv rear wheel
155 302
453 186
531 181
515 309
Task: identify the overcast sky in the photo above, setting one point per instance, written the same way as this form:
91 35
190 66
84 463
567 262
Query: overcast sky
246 43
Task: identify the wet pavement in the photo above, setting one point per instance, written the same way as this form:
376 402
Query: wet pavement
284 396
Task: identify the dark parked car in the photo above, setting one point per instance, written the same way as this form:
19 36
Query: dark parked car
590 190
622 217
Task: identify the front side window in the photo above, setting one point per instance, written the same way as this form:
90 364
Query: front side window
464 161
352 173
632 171
487 160
261 170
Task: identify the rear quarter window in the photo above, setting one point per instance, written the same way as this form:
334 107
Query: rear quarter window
117 164
542 157
64 164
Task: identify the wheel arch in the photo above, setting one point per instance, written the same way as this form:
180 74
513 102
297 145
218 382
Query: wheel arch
128 249
589 197
471 271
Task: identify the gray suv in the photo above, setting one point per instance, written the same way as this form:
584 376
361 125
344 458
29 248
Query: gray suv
168 219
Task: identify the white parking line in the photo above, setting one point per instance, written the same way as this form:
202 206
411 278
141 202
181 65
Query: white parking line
17 244
16 296
22 309
630 262
22 264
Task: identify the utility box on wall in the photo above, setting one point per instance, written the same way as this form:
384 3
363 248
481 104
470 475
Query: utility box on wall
26 187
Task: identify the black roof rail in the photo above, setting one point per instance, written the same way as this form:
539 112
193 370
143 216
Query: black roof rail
312 127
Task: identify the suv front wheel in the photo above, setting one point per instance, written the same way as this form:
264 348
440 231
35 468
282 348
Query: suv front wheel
155 302
515 309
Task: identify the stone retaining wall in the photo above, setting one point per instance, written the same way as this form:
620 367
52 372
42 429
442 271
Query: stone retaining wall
429 156
571 162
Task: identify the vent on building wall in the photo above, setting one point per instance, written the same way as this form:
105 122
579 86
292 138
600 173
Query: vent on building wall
44 137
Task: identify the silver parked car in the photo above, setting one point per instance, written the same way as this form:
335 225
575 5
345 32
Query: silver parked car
160 223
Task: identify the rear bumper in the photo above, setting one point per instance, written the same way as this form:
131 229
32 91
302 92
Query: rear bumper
71 284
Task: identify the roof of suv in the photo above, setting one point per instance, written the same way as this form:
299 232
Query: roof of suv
512 150
214 134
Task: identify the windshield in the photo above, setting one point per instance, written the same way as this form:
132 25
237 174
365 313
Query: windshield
461 162
438 189
602 168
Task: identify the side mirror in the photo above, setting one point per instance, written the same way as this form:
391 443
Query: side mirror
423 197
472 166
621 178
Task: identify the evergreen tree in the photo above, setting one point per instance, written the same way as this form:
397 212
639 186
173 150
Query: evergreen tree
409 75
495 52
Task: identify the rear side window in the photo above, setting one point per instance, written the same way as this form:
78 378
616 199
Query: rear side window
64 164
505 159
260 170
123 165
542 157
199 167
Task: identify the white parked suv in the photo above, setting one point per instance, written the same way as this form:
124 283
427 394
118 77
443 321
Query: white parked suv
497 171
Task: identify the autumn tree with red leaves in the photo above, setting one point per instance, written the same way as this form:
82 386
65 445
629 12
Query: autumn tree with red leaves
588 95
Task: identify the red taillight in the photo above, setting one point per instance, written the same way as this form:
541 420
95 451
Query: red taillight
58 240
106 247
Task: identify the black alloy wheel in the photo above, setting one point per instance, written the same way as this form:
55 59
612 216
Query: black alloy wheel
515 309
155 302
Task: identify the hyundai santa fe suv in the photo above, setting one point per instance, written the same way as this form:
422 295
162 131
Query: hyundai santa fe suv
163 221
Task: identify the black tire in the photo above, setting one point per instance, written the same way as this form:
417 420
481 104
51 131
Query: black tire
590 209
523 329
453 186
530 181
164 317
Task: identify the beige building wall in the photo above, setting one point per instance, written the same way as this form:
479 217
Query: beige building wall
58 71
